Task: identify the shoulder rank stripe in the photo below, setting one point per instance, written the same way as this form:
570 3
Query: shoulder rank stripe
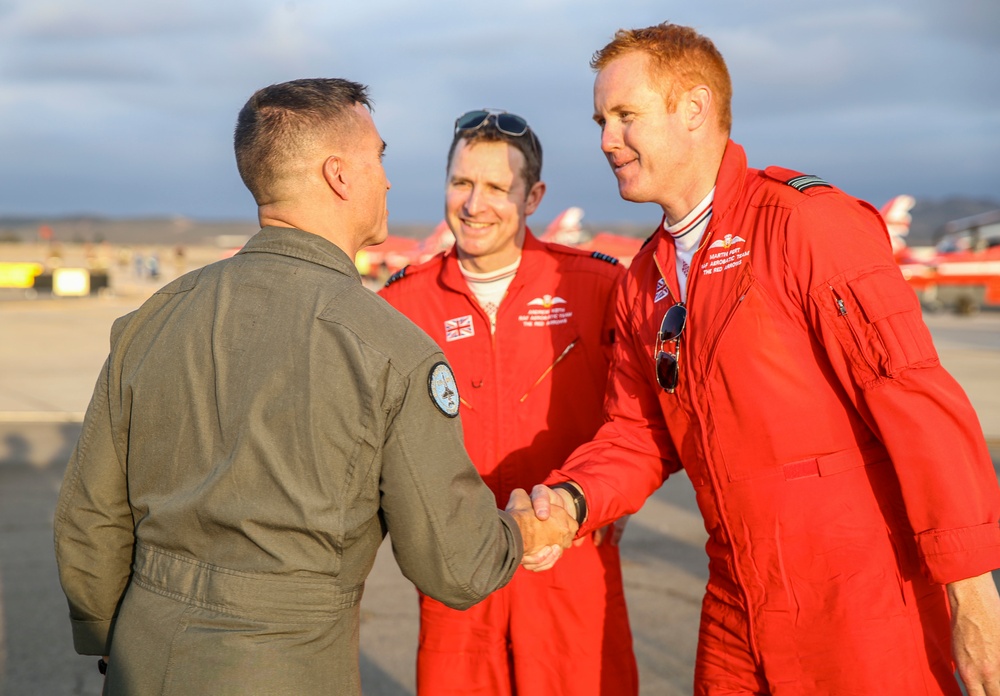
396 276
605 257
801 183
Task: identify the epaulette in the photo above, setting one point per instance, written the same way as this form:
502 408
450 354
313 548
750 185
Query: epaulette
604 257
648 240
799 182
806 181
396 276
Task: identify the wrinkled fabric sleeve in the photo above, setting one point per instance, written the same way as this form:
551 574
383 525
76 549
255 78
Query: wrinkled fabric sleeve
870 324
631 454
94 531
447 535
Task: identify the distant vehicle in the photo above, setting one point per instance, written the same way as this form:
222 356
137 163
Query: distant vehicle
961 272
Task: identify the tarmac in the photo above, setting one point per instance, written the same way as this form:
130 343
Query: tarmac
50 354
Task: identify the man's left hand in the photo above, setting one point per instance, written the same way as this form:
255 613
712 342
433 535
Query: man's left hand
975 631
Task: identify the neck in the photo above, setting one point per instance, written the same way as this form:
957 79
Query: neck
700 181
301 216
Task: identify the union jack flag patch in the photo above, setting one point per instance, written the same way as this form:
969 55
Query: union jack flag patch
662 291
460 327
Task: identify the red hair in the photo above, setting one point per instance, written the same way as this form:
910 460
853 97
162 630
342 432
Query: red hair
681 58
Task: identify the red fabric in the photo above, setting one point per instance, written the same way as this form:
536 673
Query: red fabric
841 472
529 395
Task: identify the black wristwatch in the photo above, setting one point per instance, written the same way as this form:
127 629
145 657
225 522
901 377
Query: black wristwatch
102 666
578 500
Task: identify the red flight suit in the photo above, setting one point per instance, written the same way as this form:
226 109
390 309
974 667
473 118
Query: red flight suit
530 393
840 470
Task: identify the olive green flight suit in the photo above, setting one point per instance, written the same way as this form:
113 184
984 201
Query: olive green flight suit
258 427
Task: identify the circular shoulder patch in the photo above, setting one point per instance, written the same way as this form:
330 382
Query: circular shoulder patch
443 390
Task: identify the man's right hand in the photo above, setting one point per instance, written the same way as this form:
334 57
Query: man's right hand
544 539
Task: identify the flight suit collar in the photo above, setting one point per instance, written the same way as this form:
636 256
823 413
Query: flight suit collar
532 254
729 185
288 241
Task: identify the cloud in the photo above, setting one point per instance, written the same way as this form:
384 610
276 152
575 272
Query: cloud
118 106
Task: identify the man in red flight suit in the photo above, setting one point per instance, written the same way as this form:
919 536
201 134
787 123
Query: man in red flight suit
528 329
768 345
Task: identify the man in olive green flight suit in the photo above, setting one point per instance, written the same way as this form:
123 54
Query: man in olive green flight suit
258 427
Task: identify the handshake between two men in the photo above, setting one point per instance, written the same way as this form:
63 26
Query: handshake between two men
547 520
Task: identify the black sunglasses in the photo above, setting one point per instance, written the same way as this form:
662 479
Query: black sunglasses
504 121
671 328
510 124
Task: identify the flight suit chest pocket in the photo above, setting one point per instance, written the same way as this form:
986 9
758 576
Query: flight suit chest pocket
876 318
734 300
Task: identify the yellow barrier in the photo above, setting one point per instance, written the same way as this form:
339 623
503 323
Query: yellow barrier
18 274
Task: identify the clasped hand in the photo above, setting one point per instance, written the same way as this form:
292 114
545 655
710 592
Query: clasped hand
544 540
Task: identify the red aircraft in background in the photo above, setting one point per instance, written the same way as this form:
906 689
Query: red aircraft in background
961 272
378 262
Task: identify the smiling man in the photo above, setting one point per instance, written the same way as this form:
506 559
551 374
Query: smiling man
527 327
768 344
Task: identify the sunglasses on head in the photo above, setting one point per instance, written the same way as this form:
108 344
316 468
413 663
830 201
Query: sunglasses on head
671 328
507 123
504 121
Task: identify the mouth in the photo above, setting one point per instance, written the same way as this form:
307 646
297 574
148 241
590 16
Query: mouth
619 166
473 225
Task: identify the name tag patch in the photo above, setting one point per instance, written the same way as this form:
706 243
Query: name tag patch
724 254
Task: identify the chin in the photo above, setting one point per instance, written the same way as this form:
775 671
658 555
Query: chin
632 196
378 237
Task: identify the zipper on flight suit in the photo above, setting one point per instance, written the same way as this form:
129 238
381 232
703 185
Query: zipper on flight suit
842 312
712 475
725 324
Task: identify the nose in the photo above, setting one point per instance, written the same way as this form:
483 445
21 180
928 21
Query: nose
473 201
610 138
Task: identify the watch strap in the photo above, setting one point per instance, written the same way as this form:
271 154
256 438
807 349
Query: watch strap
579 501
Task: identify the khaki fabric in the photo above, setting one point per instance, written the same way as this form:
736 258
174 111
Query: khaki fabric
259 426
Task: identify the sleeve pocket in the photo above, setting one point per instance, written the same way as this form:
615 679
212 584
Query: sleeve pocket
877 318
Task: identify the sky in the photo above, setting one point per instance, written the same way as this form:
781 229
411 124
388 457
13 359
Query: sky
123 109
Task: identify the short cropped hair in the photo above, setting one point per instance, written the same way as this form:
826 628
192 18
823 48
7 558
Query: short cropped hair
281 120
528 145
682 57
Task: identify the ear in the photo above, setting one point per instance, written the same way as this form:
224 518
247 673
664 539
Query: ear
698 104
335 176
534 198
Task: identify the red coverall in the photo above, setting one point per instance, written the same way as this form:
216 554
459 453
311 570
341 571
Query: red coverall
841 471
530 394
